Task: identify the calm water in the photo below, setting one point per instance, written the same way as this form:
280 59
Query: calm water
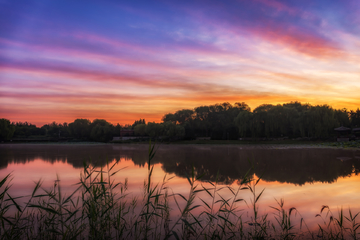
306 178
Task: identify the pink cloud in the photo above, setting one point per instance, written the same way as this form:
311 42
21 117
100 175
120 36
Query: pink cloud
298 40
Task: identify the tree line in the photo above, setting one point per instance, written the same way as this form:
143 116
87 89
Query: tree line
293 120
218 121
80 129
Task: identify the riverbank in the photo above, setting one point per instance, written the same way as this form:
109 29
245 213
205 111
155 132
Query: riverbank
271 144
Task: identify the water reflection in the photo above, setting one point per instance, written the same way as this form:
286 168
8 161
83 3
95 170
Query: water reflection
296 166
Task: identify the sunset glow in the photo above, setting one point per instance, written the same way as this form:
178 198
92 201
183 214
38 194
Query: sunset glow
121 61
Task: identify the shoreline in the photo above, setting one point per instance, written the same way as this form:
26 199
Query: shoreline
289 144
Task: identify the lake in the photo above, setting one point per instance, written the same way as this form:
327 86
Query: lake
305 177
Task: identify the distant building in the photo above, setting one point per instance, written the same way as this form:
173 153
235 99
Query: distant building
127 132
343 134
356 132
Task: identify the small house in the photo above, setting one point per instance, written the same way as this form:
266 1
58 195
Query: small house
343 134
356 133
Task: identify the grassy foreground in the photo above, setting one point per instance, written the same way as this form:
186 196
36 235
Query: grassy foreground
101 209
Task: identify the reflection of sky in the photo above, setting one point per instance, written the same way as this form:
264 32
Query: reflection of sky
62 60
307 199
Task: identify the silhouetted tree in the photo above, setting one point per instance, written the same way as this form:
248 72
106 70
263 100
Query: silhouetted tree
141 121
169 117
218 121
355 118
342 117
56 130
140 129
116 130
27 129
173 130
101 130
6 129
80 129
261 122
244 122
154 129
183 116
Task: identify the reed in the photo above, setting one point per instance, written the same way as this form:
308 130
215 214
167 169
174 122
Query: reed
100 208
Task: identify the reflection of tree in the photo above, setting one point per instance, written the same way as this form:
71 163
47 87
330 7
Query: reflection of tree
297 166
73 154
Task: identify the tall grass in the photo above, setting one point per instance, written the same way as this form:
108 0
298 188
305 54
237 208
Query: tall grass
101 208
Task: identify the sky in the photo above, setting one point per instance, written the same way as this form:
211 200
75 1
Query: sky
125 60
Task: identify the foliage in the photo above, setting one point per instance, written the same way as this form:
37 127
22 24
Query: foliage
293 120
80 128
27 129
6 129
137 122
154 129
355 118
140 129
101 130
173 130
244 122
56 130
222 121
